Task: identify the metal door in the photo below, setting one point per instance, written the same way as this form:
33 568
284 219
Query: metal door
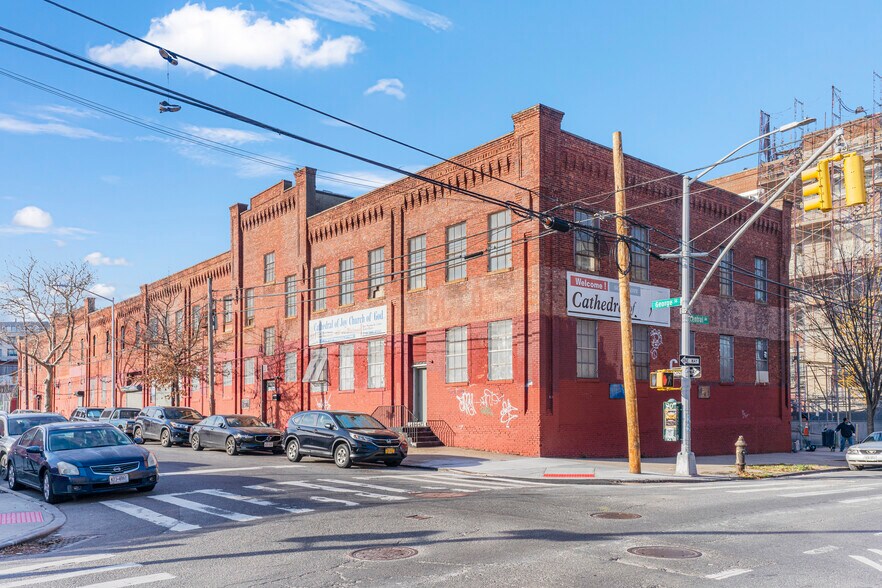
420 396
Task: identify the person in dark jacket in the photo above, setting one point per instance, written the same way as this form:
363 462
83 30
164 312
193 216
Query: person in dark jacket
846 434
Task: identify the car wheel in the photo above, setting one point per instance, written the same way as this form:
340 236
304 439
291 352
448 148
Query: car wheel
231 446
292 450
12 478
3 467
165 438
342 456
146 488
855 468
49 494
136 432
194 442
394 463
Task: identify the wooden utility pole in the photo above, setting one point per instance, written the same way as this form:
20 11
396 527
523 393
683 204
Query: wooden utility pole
623 263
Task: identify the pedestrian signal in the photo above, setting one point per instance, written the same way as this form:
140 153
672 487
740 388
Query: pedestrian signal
662 380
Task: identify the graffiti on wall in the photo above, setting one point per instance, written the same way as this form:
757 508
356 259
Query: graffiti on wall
655 341
491 404
324 403
466 403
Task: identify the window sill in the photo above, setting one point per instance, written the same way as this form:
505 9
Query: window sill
346 305
319 311
463 383
503 270
422 289
727 383
506 381
457 281
293 316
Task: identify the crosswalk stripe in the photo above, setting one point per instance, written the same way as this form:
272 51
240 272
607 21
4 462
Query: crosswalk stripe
834 491
463 483
251 500
136 581
512 481
335 500
363 485
264 488
777 488
860 558
64 575
876 551
727 574
311 486
861 499
223 470
449 486
151 516
204 508
716 486
54 564
477 481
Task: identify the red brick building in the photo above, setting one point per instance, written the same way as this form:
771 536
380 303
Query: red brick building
498 334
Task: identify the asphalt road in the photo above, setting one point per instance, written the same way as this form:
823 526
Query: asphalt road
259 520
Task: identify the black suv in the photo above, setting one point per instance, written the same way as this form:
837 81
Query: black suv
169 425
347 437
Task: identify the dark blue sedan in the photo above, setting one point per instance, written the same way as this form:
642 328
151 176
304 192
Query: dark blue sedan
66 459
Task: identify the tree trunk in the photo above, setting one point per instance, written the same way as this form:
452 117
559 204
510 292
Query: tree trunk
871 418
48 388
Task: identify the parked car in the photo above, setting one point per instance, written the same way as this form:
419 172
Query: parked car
346 437
66 459
25 411
169 425
235 433
121 418
12 426
86 414
865 454
877 436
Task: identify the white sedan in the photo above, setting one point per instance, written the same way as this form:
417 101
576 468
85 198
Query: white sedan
866 453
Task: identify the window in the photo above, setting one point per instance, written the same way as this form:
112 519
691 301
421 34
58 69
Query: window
762 356
228 313
106 341
456 248
194 383
347 281
137 337
347 367
249 370
727 358
586 348
318 288
641 352
375 273
499 241
727 267
416 258
457 354
376 363
122 338
197 319
317 371
269 268
290 296
499 350
269 341
94 345
103 391
585 242
228 373
249 307
291 367
179 322
640 254
760 279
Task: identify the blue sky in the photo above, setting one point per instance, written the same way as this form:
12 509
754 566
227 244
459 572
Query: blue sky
683 81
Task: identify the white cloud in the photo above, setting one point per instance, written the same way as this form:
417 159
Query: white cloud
390 86
226 136
98 258
20 126
360 13
59 242
231 37
103 289
59 111
32 217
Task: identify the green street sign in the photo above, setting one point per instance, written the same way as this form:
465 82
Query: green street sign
666 303
699 319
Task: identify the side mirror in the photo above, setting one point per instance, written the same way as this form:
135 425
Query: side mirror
223 425
138 440
34 449
330 426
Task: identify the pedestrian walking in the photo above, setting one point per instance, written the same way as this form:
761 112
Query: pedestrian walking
846 434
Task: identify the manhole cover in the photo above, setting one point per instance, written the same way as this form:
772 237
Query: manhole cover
438 494
383 553
615 515
665 552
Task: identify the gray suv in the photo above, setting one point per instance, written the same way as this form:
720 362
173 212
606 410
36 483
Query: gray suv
170 425
121 418
14 424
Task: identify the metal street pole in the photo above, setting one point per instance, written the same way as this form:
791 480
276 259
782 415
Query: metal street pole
685 459
210 348
113 351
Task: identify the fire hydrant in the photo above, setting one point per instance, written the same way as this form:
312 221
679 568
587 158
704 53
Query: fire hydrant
740 454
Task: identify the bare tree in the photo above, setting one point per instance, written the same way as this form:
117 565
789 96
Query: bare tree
44 299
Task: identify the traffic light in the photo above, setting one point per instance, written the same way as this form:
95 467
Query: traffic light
854 180
819 186
662 380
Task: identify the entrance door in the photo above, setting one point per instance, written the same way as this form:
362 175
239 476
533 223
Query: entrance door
420 397
269 388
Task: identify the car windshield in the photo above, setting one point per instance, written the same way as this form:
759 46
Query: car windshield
358 421
244 421
67 439
182 413
128 413
93 413
19 425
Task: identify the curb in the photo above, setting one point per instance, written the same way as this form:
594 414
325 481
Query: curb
58 519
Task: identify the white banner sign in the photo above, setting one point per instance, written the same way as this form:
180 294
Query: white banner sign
345 327
598 298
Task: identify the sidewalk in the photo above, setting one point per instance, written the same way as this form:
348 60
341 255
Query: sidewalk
23 518
608 471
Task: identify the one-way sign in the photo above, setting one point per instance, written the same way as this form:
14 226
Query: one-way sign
690 360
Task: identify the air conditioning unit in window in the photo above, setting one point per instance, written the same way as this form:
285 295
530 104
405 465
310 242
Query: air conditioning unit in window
762 377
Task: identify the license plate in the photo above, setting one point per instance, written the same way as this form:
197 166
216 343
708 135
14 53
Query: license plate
390 450
268 444
119 479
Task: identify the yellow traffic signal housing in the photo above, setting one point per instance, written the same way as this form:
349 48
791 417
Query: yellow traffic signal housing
819 186
662 380
854 180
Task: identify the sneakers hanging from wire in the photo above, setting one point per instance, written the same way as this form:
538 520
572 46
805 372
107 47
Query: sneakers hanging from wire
172 59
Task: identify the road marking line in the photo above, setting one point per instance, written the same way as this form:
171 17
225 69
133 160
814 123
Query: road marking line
876 551
264 488
336 500
222 470
862 499
434 487
64 575
445 487
715 486
251 500
508 480
727 574
775 488
136 581
386 497
151 516
204 508
465 484
53 564
859 558
820 550
372 486
825 492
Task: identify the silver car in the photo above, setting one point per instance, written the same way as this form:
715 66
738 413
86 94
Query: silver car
14 424
867 453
